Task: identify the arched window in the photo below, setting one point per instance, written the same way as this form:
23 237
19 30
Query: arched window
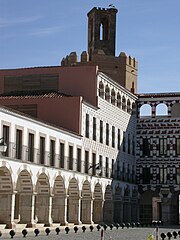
113 100
124 104
118 100
134 109
161 109
129 106
101 90
145 110
103 30
107 93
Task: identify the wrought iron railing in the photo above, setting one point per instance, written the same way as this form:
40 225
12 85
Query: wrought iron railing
33 155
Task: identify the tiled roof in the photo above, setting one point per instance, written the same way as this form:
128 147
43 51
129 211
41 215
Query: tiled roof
33 94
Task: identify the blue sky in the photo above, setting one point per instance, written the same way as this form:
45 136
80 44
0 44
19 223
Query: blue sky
42 32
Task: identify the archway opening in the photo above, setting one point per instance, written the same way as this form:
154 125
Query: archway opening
59 201
6 194
73 202
118 205
108 205
145 110
161 109
86 206
101 90
97 204
43 200
24 201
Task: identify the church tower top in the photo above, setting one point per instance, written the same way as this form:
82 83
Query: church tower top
102 30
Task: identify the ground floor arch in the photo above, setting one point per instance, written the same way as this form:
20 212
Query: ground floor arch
108 205
43 200
74 202
24 199
59 202
86 203
118 205
150 206
7 198
98 204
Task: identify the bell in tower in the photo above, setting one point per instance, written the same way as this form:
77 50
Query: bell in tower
102 30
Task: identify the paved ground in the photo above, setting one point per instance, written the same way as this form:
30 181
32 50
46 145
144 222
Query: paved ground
122 234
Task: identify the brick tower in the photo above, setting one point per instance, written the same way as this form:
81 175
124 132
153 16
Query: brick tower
101 50
102 30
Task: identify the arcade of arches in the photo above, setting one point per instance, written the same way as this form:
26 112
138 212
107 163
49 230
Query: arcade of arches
157 205
26 201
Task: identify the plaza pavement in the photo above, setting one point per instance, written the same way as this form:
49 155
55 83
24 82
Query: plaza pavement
115 234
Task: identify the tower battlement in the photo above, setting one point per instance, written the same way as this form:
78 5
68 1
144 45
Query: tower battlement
72 59
105 10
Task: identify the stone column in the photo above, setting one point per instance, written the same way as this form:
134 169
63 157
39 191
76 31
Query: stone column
64 221
78 222
48 222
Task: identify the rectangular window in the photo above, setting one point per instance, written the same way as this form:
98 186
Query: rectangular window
86 161
118 170
178 146
42 150
94 128
178 176
123 172
101 165
52 152
79 160
70 157
107 167
112 168
107 134
163 175
133 146
94 164
124 142
61 155
101 132
87 126
146 147
133 174
129 144
31 147
162 146
146 176
113 136
119 139
19 144
6 139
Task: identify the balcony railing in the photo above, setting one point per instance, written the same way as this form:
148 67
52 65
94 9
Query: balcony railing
35 156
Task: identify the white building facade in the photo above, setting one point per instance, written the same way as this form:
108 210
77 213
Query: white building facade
48 174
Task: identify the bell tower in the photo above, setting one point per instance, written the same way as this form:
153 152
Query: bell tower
102 30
